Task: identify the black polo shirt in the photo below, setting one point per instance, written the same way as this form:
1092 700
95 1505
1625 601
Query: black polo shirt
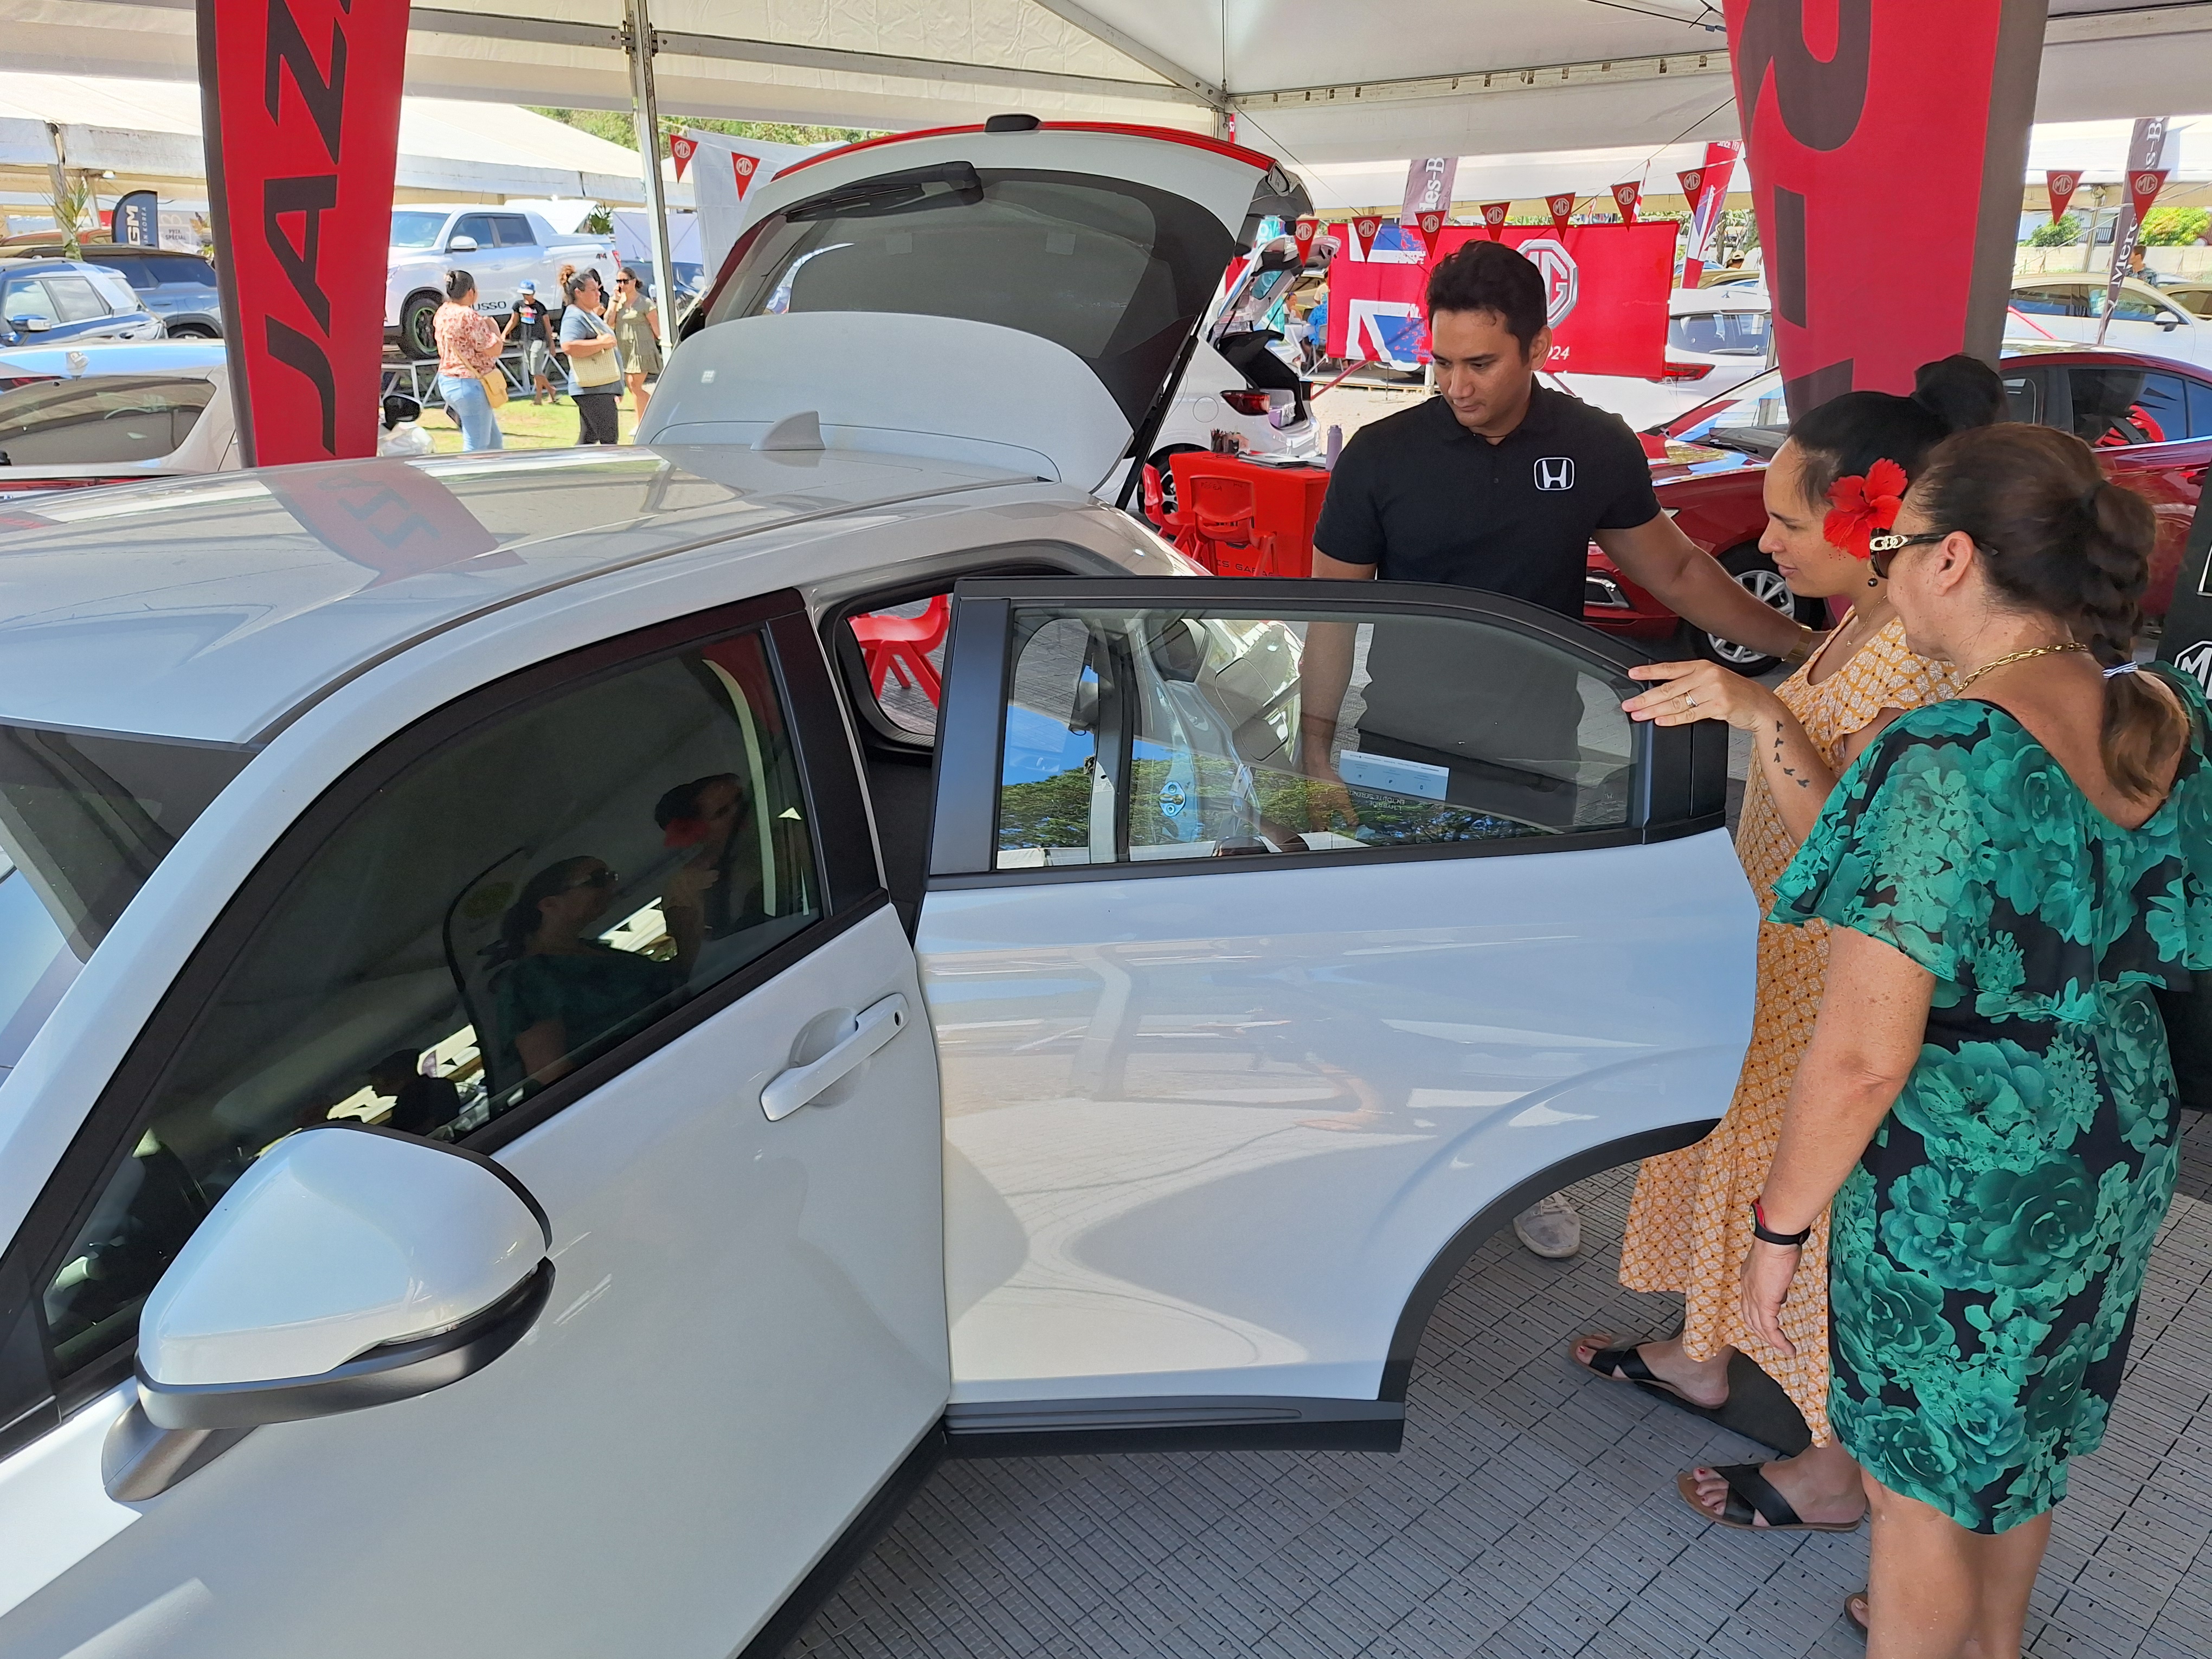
1424 500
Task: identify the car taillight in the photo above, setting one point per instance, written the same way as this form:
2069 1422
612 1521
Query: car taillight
1246 400
1683 372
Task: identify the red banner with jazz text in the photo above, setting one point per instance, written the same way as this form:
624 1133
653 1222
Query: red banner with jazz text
1607 288
1846 104
299 104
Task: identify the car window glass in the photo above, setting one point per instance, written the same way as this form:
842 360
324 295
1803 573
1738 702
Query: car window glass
105 420
2196 300
139 273
513 230
1720 333
2130 307
2064 301
182 268
2023 397
2118 406
475 224
902 654
1762 415
2200 410
508 908
1146 735
75 299
24 297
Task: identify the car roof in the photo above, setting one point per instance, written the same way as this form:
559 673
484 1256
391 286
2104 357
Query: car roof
33 266
115 357
214 609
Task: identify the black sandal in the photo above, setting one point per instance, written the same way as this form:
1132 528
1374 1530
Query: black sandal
1625 1364
1750 1498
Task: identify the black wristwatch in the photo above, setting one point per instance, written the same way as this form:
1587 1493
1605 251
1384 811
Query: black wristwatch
1766 1235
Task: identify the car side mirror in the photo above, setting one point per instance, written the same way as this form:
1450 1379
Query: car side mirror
350 1266
30 322
2169 322
461 245
398 408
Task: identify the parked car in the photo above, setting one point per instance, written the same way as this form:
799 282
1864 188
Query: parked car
2143 318
1716 338
499 246
789 260
2150 419
72 417
1018 1078
178 287
46 301
2192 294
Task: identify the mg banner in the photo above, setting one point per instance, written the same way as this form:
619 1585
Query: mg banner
299 103
1606 286
1849 107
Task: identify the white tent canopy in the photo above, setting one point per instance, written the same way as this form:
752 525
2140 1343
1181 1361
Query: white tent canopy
1317 82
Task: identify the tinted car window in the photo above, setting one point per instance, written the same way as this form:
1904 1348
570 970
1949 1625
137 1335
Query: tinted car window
504 909
1116 272
102 421
141 274
2200 410
2129 307
2024 396
513 230
2118 406
2062 301
1723 333
1136 736
74 299
475 224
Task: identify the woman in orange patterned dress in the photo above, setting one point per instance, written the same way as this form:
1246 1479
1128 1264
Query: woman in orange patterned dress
1690 1224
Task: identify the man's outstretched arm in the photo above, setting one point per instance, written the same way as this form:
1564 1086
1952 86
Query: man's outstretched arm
1689 582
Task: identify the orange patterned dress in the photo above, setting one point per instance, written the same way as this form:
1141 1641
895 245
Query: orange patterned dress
1689 1225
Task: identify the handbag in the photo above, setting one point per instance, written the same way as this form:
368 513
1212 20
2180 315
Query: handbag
495 386
598 368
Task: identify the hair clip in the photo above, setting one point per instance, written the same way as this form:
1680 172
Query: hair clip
2123 668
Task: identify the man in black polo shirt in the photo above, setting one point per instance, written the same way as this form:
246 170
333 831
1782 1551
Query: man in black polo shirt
1497 483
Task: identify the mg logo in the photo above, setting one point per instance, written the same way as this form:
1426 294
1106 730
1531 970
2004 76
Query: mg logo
2196 659
1562 284
1558 472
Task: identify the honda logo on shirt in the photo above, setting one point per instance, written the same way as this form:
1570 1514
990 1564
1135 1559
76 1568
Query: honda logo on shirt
1555 472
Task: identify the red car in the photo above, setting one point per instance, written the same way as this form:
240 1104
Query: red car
2149 417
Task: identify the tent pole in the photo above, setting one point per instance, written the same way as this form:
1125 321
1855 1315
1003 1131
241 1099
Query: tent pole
640 42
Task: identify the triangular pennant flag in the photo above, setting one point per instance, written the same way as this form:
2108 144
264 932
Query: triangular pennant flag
1562 209
1625 197
681 148
1430 224
2061 186
745 167
2143 186
1493 219
1364 231
1303 233
1694 186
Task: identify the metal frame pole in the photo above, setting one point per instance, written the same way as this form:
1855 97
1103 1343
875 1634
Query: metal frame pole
639 40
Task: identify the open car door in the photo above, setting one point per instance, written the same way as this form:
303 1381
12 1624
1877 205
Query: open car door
1024 294
1280 944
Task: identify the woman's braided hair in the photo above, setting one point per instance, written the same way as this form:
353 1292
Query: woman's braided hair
2056 537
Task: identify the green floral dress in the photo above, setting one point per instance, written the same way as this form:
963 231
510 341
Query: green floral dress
1986 1254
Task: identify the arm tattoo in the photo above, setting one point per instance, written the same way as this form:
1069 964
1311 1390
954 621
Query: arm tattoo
1786 772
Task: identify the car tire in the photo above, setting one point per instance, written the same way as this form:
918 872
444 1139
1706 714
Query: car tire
192 331
1754 571
1162 458
417 337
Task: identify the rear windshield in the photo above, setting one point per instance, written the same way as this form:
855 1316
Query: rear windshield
1117 272
84 820
1721 333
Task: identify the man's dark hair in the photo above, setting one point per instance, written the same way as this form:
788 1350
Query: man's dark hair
1491 277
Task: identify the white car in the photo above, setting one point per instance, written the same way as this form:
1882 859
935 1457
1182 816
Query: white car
2063 308
775 1095
498 246
1716 339
118 412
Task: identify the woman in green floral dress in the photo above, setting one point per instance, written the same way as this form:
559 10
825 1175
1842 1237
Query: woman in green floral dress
1987 1098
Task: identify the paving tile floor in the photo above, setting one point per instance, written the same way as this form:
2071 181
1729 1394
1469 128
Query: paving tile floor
1532 1512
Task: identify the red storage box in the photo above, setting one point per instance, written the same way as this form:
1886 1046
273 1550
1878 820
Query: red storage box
1238 518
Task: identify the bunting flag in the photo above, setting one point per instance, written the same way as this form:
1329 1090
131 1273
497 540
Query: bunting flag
1303 233
745 167
2061 186
680 148
1493 219
1562 209
1430 224
1625 197
1363 232
2143 186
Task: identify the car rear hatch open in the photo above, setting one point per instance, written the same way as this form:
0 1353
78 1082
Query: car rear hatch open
1021 295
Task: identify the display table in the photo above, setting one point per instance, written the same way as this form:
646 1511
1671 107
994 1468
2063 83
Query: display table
1240 518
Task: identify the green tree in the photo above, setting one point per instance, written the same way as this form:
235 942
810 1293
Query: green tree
2061 232
2172 227
616 127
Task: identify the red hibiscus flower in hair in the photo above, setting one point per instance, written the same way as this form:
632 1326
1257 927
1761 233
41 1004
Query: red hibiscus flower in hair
685 832
1862 505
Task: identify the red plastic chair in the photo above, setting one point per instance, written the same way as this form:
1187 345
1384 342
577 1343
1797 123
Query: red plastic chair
1224 514
901 645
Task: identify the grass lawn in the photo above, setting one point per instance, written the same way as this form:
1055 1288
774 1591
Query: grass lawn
524 425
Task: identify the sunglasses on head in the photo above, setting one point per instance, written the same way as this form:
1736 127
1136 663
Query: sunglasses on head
597 878
1881 548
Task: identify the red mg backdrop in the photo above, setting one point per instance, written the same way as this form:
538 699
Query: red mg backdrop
1874 126
299 103
1606 285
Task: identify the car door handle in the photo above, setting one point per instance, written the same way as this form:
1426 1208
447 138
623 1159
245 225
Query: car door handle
877 1025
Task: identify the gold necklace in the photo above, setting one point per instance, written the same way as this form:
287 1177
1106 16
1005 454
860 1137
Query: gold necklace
2017 656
